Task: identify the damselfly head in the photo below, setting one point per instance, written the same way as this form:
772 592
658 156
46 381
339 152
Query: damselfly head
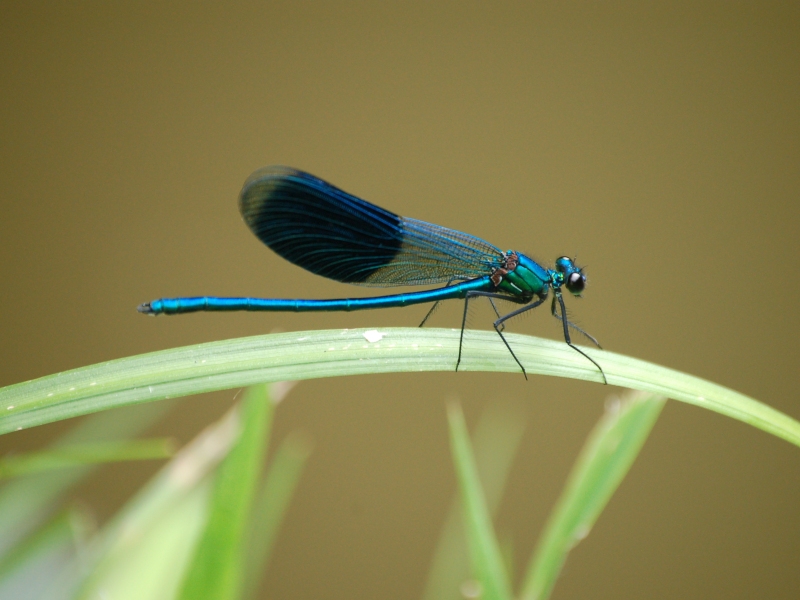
574 279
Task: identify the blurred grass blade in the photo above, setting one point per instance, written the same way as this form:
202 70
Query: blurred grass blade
495 441
28 570
88 453
507 550
273 501
150 564
604 461
293 356
144 550
486 559
26 503
217 569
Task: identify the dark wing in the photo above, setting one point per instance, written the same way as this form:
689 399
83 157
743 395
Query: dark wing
331 233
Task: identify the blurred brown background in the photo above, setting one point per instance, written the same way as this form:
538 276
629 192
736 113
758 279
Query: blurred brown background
660 144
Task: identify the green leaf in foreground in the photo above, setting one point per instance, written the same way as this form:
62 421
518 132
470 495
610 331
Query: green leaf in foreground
144 550
487 561
216 571
87 453
276 492
29 568
495 441
293 356
25 503
604 461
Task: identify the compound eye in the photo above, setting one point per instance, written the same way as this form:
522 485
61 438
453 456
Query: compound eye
576 282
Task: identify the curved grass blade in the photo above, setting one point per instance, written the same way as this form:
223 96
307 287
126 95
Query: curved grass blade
604 461
307 355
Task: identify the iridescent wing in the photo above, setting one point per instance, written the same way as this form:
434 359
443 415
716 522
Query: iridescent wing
332 233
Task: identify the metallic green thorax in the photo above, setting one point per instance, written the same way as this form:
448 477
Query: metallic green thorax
524 278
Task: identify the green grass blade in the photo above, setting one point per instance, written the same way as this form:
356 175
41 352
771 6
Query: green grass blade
293 356
26 503
151 563
276 492
217 570
604 461
495 441
27 571
88 453
143 552
486 558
